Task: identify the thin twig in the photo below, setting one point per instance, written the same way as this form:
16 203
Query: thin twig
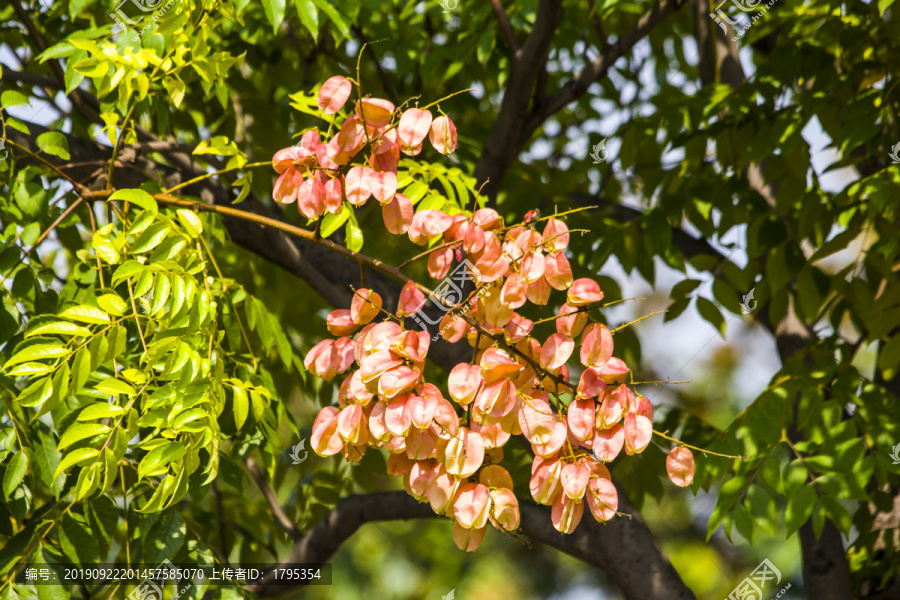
277 512
636 320
213 174
701 450
508 32
137 319
52 226
118 147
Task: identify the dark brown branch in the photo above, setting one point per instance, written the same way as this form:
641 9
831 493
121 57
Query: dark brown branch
77 96
689 245
277 512
505 26
703 33
578 85
598 24
624 548
826 573
505 141
516 124
44 81
351 513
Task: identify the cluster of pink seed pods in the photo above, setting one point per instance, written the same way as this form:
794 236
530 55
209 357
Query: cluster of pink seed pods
313 173
447 450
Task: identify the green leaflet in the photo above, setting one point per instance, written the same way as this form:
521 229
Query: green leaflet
160 457
86 314
137 197
100 410
37 352
81 432
78 543
15 473
59 328
77 456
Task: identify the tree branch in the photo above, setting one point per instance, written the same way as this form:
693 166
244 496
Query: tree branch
351 513
516 124
504 143
505 26
77 96
578 85
688 244
44 81
277 512
624 548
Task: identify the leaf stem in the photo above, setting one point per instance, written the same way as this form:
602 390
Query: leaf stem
213 174
701 450
118 147
636 320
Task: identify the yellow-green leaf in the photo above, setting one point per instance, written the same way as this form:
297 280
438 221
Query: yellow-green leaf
162 492
113 304
15 473
159 457
241 407
125 270
150 238
161 291
114 386
309 16
55 143
100 410
88 481
190 221
37 352
86 314
13 98
30 369
134 376
59 328
81 369
82 432
36 393
188 417
137 197
105 249
74 457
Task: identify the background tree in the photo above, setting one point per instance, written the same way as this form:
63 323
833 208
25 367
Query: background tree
715 172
